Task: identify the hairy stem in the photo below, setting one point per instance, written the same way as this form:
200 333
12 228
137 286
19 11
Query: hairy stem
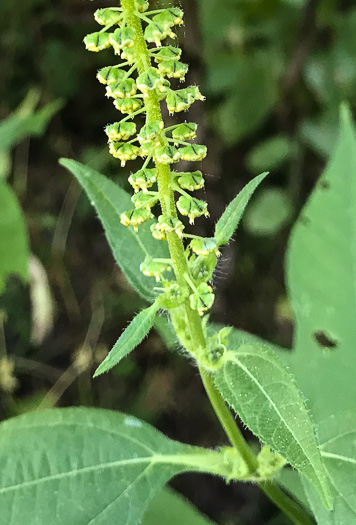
197 338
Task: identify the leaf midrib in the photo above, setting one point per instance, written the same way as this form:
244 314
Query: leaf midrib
234 358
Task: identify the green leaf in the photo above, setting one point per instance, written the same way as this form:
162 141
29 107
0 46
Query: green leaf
321 269
130 338
238 338
21 124
262 391
81 466
169 507
128 247
271 154
14 250
337 437
228 222
244 109
269 212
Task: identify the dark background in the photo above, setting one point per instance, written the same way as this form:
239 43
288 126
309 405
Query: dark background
274 73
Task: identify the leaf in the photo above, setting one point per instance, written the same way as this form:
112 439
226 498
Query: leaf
169 507
14 251
21 124
228 222
321 277
269 212
86 466
271 153
262 391
337 437
243 109
130 338
128 247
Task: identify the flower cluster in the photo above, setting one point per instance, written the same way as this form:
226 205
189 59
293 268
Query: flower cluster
130 84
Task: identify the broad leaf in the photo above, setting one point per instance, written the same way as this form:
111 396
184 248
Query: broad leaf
322 284
130 338
338 437
81 466
262 391
14 251
228 222
169 507
128 247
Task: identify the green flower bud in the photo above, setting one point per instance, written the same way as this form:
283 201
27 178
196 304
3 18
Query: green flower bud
157 32
128 53
163 88
167 154
169 224
107 16
173 296
121 89
148 148
179 100
143 179
97 41
157 233
144 200
149 132
110 74
122 37
141 5
173 69
169 17
202 299
185 131
149 80
153 268
167 53
193 152
120 131
191 181
195 93
192 207
202 267
127 105
135 217
204 246
124 152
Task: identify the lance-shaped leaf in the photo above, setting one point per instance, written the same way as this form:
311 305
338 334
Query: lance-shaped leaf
262 391
88 466
337 436
229 221
128 247
14 250
130 338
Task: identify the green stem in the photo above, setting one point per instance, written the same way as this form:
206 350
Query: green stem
197 340
290 508
227 421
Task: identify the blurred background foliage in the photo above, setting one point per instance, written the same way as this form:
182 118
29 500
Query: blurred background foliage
274 73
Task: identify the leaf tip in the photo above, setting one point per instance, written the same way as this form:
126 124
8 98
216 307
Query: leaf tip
101 369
